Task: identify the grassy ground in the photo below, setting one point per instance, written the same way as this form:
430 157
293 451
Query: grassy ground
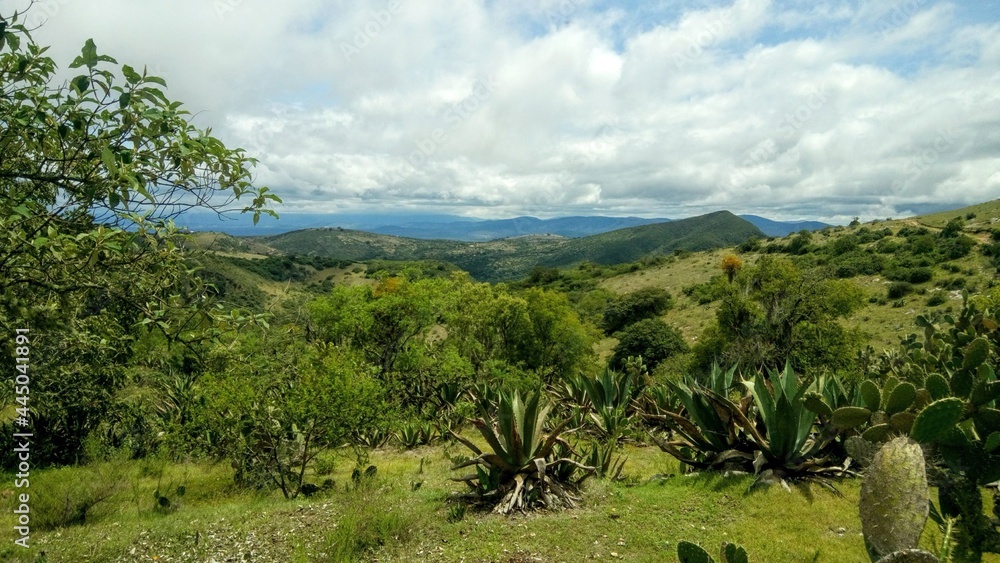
390 518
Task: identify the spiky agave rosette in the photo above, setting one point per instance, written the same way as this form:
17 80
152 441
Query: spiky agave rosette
521 472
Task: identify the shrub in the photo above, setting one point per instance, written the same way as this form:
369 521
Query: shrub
273 417
912 275
633 307
936 299
899 289
652 339
708 291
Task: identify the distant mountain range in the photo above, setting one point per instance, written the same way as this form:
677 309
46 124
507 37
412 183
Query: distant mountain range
486 230
453 227
783 228
513 257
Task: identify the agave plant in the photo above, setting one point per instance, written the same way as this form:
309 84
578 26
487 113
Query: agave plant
416 433
520 472
770 431
611 397
708 428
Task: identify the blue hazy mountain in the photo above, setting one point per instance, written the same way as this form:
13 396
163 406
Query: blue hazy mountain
782 228
485 230
445 226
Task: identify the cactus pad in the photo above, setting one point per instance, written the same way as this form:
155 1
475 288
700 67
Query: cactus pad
846 418
870 395
688 552
937 385
901 398
937 419
976 353
732 553
894 499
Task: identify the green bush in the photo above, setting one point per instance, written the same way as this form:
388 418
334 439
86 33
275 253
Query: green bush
912 275
652 339
899 289
632 307
273 415
938 298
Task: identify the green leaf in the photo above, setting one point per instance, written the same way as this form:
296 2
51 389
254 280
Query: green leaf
108 158
877 433
124 100
13 41
131 75
81 83
987 421
732 553
937 419
985 392
88 55
962 382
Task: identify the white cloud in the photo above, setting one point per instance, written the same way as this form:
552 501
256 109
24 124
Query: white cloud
796 109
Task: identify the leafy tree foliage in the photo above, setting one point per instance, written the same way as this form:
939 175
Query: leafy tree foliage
652 339
90 174
632 307
274 403
382 320
759 318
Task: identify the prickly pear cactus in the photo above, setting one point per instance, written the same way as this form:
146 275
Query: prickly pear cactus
894 503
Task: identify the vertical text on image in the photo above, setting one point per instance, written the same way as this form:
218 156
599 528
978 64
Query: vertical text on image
22 435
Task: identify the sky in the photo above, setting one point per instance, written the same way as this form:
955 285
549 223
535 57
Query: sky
796 109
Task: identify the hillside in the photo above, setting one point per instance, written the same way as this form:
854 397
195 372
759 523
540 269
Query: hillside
481 231
783 228
513 258
977 217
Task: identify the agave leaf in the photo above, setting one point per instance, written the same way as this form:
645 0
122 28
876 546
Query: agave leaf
490 435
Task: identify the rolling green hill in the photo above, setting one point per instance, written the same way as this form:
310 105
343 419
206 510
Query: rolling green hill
979 216
513 258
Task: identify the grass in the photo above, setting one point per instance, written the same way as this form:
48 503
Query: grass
390 519
983 213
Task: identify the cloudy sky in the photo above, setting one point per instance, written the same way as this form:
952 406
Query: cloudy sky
789 109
